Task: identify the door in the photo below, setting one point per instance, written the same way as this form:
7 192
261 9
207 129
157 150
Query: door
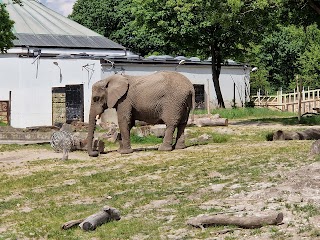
67 104
74 103
58 106
199 96
4 112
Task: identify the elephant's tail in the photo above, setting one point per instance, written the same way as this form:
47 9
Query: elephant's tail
193 105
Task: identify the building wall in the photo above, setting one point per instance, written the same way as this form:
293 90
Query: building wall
198 74
31 81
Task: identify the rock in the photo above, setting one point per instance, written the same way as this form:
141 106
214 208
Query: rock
315 148
142 131
158 130
201 139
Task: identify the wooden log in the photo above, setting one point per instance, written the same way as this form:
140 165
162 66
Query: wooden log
90 223
308 134
71 224
107 214
243 222
202 122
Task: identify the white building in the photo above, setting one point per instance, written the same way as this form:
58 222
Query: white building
46 78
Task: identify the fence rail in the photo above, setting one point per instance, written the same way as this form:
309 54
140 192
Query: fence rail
310 101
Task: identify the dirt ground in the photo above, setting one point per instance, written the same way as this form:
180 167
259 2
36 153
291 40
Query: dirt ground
302 185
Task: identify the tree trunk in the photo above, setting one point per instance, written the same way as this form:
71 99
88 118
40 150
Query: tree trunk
90 223
216 68
107 214
244 222
315 5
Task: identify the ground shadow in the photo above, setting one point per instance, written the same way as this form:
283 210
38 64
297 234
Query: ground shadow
305 120
142 149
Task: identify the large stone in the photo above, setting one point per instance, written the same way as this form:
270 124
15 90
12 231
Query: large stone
315 148
142 131
158 130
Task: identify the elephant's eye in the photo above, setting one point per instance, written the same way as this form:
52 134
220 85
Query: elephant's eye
96 99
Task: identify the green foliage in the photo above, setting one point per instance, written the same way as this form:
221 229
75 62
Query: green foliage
192 27
277 57
284 54
310 120
6 25
309 62
98 15
273 35
299 12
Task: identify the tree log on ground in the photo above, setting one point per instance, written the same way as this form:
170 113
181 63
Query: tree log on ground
90 223
208 120
308 134
243 222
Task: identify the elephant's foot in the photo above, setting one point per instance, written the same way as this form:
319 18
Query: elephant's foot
180 146
125 150
165 147
94 154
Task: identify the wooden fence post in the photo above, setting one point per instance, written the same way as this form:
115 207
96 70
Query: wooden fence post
299 86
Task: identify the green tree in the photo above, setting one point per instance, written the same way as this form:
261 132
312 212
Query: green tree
6 25
220 29
98 15
287 51
115 20
216 29
309 61
278 55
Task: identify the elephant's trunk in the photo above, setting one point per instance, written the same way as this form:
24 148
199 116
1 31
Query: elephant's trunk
91 128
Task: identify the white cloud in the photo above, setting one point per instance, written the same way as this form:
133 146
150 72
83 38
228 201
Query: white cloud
63 7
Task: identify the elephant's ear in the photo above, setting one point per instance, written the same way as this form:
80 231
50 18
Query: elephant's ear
117 87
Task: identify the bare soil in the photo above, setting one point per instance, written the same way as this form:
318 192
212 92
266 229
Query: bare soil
301 187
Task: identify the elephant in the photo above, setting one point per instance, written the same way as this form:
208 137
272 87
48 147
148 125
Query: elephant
163 97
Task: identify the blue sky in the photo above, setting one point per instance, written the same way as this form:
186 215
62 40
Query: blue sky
63 7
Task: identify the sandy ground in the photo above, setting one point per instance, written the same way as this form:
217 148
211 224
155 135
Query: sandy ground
301 187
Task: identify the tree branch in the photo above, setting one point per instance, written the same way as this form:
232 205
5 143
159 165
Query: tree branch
315 5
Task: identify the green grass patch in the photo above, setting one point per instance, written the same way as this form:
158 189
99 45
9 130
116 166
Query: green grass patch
14 147
135 139
248 113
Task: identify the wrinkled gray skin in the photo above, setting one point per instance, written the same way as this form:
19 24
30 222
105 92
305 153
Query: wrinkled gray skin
162 97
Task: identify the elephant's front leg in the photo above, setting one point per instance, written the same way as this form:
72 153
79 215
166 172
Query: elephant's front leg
167 140
125 145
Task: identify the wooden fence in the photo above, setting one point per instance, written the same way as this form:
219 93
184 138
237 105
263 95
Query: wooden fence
310 101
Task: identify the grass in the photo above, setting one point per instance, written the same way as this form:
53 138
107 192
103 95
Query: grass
156 192
264 115
248 113
15 147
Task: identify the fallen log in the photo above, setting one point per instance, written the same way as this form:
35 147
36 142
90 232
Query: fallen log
207 120
71 224
308 134
243 222
90 223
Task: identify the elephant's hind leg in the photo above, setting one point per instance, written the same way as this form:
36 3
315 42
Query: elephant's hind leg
167 140
180 141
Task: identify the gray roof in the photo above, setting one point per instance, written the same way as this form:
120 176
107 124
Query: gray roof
38 26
